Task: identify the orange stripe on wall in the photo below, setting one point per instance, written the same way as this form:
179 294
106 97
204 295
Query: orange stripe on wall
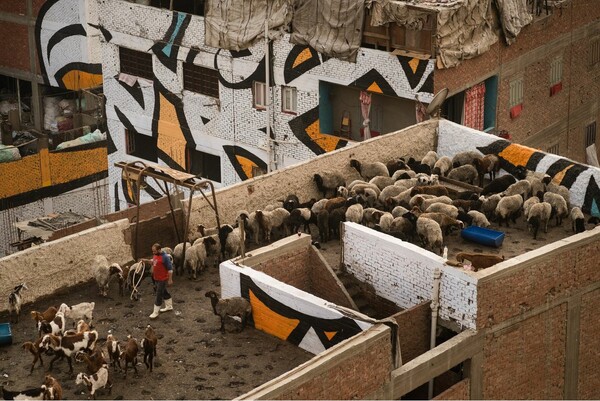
76 79
45 167
327 142
517 155
269 321
170 136
68 166
20 176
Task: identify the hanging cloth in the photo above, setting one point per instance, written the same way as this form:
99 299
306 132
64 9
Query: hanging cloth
365 109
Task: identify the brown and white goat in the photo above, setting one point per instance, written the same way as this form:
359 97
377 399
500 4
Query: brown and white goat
67 346
84 310
94 361
96 381
52 389
15 301
48 315
114 351
129 355
149 346
34 348
55 326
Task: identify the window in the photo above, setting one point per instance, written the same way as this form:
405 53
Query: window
200 80
553 149
594 55
259 92
556 68
288 99
515 97
139 145
590 134
136 63
204 165
392 36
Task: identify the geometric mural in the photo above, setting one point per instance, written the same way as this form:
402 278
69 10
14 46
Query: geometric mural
306 128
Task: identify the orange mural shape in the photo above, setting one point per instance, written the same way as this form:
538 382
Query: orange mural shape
77 79
327 142
247 165
302 57
171 139
269 321
517 155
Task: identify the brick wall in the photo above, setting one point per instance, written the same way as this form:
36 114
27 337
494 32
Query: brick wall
414 329
589 347
13 7
15 46
324 282
292 268
403 273
460 391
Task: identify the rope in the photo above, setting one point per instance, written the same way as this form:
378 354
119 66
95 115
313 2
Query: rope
141 266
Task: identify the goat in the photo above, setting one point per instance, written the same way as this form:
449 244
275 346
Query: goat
103 273
52 389
67 346
34 348
56 326
94 361
15 301
48 315
83 310
129 354
36 393
149 346
114 351
96 381
479 260
235 306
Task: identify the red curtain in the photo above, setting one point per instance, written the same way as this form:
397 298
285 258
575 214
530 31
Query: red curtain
474 106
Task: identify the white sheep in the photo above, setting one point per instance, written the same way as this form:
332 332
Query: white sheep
371 216
466 157
430 233
369 170
430 158
527 205
235 306
577 220
178 257
424 201
464 173
268 221
385 221
354 213
537 186
389 191
509 207
103 273
439 207
382 181
561 190
521 187
361 188
403 173
489 204
399 211
195 259
328 181
539 214
407 182
559 206
401 199
342 191
442 166
479 219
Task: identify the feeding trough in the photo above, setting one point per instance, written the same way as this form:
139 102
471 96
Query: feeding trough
5 334
483 236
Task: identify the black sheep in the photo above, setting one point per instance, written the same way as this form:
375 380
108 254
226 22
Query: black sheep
499 185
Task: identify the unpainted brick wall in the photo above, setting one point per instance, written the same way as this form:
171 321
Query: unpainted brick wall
324 283
460 391
414 327
158 229
350 378
589 347
292 268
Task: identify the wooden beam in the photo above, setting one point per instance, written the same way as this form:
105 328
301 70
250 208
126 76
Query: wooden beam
435 362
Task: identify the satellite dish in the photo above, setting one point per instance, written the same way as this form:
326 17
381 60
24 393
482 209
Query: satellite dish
433 109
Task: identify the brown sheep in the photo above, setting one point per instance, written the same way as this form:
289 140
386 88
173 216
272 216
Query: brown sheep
52 389
437 190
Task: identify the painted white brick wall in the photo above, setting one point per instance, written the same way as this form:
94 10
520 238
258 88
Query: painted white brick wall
292 297
403 273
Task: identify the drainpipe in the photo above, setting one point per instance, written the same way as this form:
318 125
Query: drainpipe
435 305
268 98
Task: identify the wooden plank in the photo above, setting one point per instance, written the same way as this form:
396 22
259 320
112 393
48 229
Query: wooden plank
435 362
572 351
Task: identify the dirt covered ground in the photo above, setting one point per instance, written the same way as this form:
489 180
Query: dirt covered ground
194 361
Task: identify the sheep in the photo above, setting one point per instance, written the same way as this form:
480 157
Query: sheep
129 354
368 197
34 348
537 187
354 213
251 225
539 214
407 182
388 192
448 210
48 315
447 223
382 181
94 361
509 207
369 170
498 185
488 164
328 181
385 221
430 158
527 205
36 393
178 257
466 205
559 206
103 273
361 188
195 259
96 381
430 233
577 220
342 191
442 166
418 167
335 203
271 220
370 217
235 306
478 219
114 351
148 344
15 301
479 260
301 217
403 174
488 205
323 225
521 187
466 173
318 206
231 239
399 211
69 345
560 190
83 310
437 190
336 217
402 199
395 165
417 200
52 389
427 179
424 203
464 158
56 326
291 202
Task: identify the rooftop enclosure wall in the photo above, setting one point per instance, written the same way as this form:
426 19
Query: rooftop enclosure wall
582 180
64 262
403 273
288 313
258 192
296 262
542 341
414 329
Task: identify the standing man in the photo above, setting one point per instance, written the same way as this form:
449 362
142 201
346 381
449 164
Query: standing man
162 273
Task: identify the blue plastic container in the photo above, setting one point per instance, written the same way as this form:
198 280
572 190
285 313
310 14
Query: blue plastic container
483 236
5 334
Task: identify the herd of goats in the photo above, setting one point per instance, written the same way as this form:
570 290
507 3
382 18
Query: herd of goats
404 198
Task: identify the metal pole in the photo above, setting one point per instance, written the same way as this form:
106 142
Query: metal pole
19 100
435 304
242 238
172 213
268 98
